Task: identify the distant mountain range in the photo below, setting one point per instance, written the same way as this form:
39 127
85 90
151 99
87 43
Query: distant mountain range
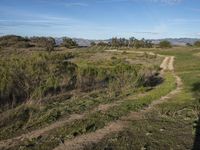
174 41
177 41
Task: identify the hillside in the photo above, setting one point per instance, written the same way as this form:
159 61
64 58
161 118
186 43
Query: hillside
98 98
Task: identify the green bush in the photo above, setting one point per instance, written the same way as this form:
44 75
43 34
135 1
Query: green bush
69 43
197 44
15 41
165 44
34 76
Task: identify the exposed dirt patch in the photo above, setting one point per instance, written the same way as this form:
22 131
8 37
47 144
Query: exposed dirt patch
164 64
81 141
171 63
36 133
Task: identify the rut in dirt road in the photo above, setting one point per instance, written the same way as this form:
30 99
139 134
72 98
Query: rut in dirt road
168 63
36 133
116 126
83 140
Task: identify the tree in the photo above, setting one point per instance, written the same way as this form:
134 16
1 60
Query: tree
131 42
148 44
188 44
165 44
69 43
14 41
50 44
45 42
92 43
197 44
137 44
115 42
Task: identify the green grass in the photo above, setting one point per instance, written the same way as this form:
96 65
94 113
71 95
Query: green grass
172 125
152 134
176 118
122 79
98 120
33 76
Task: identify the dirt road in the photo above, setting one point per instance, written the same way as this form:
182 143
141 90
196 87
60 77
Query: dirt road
117 126
81 141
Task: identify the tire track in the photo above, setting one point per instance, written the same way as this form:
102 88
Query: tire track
36 133
81 141
167 64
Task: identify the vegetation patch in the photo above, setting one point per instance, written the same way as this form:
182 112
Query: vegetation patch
98 120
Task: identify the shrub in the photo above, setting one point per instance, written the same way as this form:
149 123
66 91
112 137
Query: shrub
197 44
45 42
165 44
15 41
69 43
35 76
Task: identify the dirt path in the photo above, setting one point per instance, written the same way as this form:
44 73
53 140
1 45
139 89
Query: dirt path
81 141
171 63
164 64
36 133
167 64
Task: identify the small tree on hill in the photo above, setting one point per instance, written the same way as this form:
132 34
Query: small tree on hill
92 44
188 44
50 44
115 42
69 43
197 43
165 44
137 43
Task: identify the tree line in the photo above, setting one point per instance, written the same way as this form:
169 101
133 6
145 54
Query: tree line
122 42
49 43
133 43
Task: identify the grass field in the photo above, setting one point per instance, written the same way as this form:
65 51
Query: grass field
173 124
101 100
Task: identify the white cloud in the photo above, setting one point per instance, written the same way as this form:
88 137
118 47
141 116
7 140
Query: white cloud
38 20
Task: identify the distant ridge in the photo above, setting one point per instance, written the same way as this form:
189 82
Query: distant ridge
174 41
177 41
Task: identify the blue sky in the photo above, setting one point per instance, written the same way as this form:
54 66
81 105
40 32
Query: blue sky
101 19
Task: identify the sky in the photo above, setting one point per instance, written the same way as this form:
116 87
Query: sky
101 19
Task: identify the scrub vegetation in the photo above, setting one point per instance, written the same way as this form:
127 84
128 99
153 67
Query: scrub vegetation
53 94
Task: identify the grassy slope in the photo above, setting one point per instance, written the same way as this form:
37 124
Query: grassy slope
98 120
173 124
28 117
